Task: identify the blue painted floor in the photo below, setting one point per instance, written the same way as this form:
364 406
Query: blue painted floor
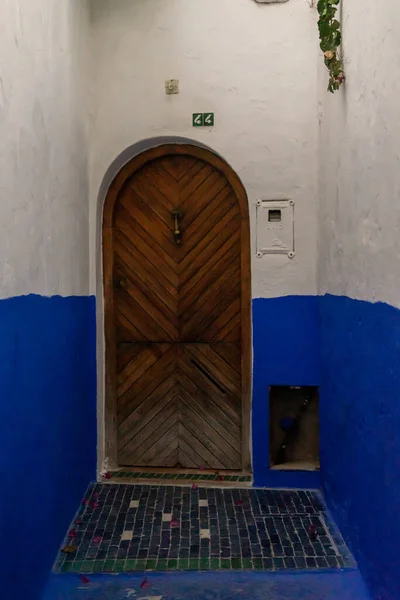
339 585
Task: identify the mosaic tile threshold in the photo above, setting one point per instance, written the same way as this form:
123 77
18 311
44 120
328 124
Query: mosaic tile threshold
180 478
139 528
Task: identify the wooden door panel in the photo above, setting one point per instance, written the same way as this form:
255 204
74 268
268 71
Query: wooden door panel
197 391
177 316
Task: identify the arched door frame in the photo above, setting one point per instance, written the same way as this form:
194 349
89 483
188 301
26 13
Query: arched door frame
127 171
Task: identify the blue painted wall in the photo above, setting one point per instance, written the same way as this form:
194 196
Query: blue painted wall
360 433
285 345
47 431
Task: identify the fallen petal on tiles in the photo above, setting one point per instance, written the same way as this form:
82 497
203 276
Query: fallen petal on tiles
97 539
220 478
174 523
72 533
312 530
85 579
239 503
78 522
95 505
96 495
202 467
144 585
195 487
107 475
69 549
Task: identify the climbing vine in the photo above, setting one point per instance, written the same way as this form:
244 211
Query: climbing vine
330 36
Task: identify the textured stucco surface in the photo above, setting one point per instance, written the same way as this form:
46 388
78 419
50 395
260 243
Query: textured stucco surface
254 65
359 249
43 151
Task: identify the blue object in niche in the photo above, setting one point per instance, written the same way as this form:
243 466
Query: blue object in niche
286 423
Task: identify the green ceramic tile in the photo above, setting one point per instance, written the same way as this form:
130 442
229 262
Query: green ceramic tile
258 563
194 564
119 566
162 564
172 564
246 563
67 568
87 566
151 563
109 566
98 566
236 563
183 564
77 565
225 563
140 565
129 564
215 564
204 564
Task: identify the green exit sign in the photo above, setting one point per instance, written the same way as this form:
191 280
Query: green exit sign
203 119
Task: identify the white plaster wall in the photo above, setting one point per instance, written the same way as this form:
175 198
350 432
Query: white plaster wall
359 247
254 65
43 150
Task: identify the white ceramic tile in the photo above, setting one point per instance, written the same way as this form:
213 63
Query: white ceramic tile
167 517
134 504
204 534
126 536
203 502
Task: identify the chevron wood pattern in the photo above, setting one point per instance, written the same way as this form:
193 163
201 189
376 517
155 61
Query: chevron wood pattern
180 404
177 314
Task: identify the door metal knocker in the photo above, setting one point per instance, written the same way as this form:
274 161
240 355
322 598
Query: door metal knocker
177 216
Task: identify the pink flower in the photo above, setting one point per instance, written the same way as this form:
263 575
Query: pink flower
174 523
106 475
85 579
97 539
312 531
239 503
195 487
78 522
72 533
95 505
144 585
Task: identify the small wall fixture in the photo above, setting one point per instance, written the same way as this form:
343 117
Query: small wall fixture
275 227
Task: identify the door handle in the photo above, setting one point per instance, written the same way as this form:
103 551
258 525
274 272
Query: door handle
177 216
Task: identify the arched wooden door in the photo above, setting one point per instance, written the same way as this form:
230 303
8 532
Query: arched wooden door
177 312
